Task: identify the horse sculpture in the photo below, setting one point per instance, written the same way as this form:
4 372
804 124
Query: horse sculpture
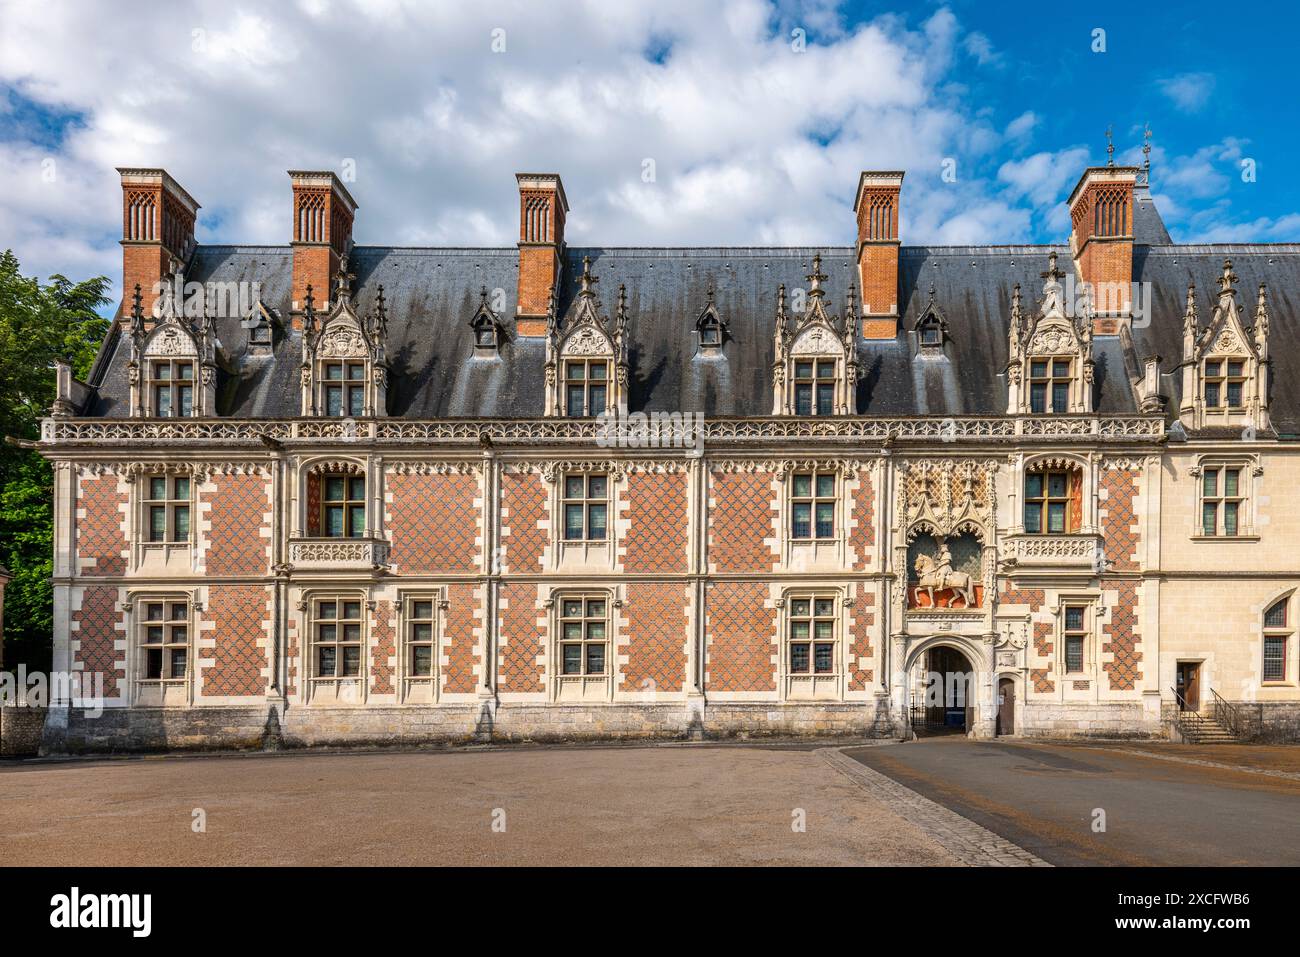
932 577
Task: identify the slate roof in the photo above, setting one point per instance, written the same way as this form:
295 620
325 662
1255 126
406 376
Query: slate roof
433 292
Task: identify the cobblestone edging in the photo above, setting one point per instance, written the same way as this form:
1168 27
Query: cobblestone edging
1202 762
971 844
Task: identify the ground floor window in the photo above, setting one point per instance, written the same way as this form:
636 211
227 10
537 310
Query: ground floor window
1277 635
811 636
419 638
584 632
336 638
1076 637
164 639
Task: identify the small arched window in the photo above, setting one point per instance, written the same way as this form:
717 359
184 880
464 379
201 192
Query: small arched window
1277 641
336 502
1053 500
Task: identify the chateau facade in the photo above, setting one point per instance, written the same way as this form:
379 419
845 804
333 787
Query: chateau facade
324 493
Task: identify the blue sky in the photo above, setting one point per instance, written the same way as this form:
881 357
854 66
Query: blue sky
672 122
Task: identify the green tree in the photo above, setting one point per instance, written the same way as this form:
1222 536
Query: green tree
38 324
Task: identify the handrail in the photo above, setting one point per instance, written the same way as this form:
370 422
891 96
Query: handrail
1187 727
1229 715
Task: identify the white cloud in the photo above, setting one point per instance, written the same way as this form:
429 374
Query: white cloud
1044 177
1188 91
1022 125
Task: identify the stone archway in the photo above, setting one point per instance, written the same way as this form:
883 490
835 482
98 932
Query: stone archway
944 688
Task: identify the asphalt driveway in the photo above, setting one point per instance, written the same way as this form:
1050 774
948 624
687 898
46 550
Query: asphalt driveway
1046 798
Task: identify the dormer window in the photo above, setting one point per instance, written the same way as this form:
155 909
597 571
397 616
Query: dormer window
1049 385
711 333
586 384
1225 383
814 387
485 337
486 327
343 388
710 326
931 334
172 388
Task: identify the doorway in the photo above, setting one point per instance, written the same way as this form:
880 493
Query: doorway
1187 687
943 686
1006 706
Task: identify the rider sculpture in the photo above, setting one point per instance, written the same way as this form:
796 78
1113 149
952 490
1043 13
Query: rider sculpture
936 574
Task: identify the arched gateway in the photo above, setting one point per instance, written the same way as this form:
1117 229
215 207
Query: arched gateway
947 687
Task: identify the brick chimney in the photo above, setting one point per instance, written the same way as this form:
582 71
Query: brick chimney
876 207
1101 240
157 231
323 211
542 209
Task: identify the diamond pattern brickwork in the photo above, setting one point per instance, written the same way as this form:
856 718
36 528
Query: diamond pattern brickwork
742 637
655 613
101 532
239 622
1119 521
383 649
460 643
239 534
96 627
523 506
522 643
862 537
656 507
433 523
860 642
1120 637
742 522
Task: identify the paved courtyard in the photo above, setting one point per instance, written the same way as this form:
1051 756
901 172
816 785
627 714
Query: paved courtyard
620 805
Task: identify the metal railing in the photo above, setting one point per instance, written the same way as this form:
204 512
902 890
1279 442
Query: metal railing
1236 718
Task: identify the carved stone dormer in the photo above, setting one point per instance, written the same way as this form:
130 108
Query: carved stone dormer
344 357
1225 365
931 328
486 327
1050 364
262 326
710 327
815 366
587 355
172 371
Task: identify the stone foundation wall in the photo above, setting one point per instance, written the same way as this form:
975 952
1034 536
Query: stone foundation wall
1120 719
157 729
20 731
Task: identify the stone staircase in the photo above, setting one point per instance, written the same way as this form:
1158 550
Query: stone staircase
1197 728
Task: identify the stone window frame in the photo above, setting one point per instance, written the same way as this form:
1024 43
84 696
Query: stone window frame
154 383
313 685
590 688
409 685
814 382
347 384
1050 380
140 513
583 554
1287 633
1047 461
1248 494
161 692
810 685
1223 379
1094 615
814 551
566 381
370 468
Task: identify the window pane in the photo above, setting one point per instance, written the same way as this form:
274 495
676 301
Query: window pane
162 370
825 520
334 370
356 401
597 486
1073 654
596 630
825 606
1061 368
187 399
1210 482
803 370
157 488
573 659
326 609
333 400
801 526
825 486
334 521
825 398
1274 659
576 371
799 606
327 632
1074 618
157 523
573 486
1056 517
1038 369
1033 518
178 663
182 513
573 523
802 486
1230 478
799 630
799 659
153 664
1038 397
422 661
1234 394
1056 485
1275 617
351 661
357 526
352 632
595 659
826 369
352 609
595 608
356 489
422 609
573 631
573 401
597 371
1060 396
596 522
1230 518
1209 518
164 402
181 488
179 612
1033 486
422 631
1212 368
325 662
823 659
596 400
803 400
153 635
1212 394
572 608
824 631
153 612
1234 368
334 488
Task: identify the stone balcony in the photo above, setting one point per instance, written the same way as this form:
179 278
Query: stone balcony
1080 552
327 554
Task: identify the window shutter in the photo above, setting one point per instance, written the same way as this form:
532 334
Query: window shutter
313 504
1076 500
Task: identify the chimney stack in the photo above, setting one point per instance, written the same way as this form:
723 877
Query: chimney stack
323 211
1101 241
157 231
876 207
542 209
